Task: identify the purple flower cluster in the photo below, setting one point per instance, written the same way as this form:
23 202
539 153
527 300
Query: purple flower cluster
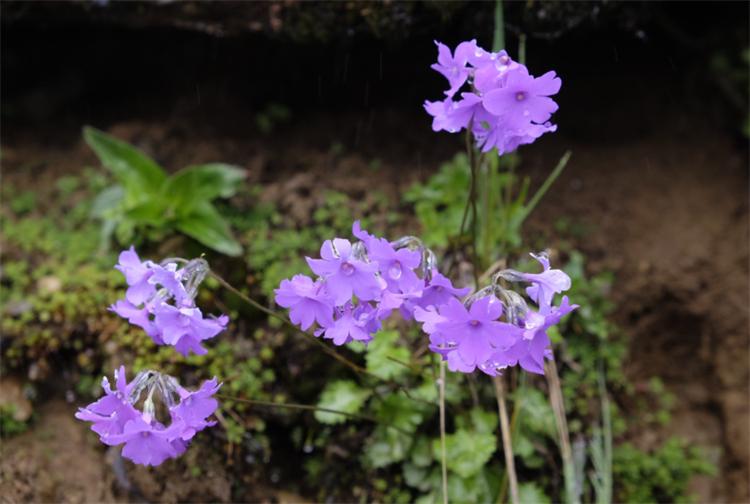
147 440
471 336
360 284
161 300
504 106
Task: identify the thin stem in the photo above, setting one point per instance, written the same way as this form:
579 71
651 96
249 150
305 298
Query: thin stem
517 400
498 40
310 407
470 156
546 185
285 321
510 466
558 408
443 452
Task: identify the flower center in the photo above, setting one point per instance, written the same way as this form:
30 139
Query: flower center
347 269
520 96
474 323
395 270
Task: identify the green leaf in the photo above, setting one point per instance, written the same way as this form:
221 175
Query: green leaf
106 201
138 173
384 358
467 452
401 411
206 225
530 493
151 212
342 395
387 446
200 184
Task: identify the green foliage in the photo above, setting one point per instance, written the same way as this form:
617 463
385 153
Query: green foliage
502 200
439 203
659 476
385 359
146 202
276 246
9 425
342 395
56 288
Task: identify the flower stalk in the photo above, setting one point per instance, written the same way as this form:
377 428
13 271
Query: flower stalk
510 467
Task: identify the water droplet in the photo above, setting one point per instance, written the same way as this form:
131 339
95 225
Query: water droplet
347 269
395 270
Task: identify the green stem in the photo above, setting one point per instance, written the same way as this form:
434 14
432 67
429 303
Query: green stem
498 39
443 451
510 466
558 408
285 321
310 407
545 186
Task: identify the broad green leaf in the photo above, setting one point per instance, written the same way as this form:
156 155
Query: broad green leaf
467 452
199 184
342 395
106 201
387 446
206 225
530 493
384 358
399 410
138 173
151 212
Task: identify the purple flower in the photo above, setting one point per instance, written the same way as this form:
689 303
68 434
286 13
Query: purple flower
477 332
353 323
185 328
506 106
453 116
147 441
530 351
395 266
523 98
148 444
195 407
453 66
137 275
307 301
344 274
440 290
160 300
547 283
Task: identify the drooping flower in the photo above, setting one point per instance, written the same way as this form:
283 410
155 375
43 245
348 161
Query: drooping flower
453 66
344 274
146 440
185 328
395 266
161 300
353 323
547 283
308 301
477 331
